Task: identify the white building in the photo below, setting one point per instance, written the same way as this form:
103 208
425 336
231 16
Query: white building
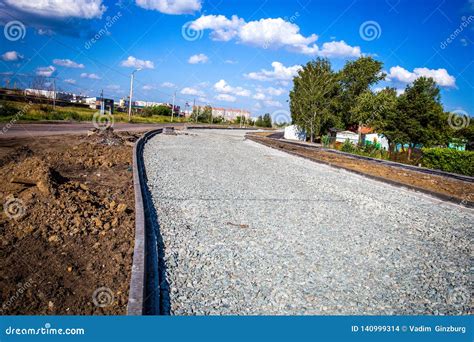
377 138
229 114
342 136
294 132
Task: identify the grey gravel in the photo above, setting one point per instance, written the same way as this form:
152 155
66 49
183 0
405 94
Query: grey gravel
249 230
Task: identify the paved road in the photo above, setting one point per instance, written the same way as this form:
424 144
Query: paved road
25 130
251 230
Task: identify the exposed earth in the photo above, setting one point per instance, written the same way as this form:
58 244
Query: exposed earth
67 223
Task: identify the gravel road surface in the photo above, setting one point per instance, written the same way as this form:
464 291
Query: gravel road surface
251 230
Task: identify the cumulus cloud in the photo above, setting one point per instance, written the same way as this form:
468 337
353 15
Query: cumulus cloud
90 76
11 56
45 71
67 63
271 91
199 58
272 33
148 87
259 96
171 6
223 87
132 62
272 103
168 85
441 76
86 9
70 81
192 91
279 73
225 97
223 29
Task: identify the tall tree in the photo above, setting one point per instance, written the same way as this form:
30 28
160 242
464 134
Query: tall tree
313 96
424 120
356 78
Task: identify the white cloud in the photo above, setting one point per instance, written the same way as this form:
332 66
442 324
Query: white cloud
279 73
90 76
11 56
148 87
272 103
225 97
273 33
338 50
259 96
192 91
67 63
441 76
271 91
113 87
70 81
223 87
171 6
86 9
230 61
196 59
223 29
45 71
168 85
132 62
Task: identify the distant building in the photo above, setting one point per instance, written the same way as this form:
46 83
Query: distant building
58 95
96 103
124 102
228 114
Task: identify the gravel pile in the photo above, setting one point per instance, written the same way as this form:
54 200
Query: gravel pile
251 230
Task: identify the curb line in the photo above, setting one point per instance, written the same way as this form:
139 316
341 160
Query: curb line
138 297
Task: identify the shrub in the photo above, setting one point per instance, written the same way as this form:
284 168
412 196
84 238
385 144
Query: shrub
449 160
347 146
7 109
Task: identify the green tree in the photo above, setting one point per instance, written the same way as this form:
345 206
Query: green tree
356 78
422 116
312 99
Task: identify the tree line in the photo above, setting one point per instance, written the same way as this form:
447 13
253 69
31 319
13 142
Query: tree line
322 98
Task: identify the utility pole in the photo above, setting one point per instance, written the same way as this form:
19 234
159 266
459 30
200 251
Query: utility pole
102 102
132 75
172 107
54 93
194 106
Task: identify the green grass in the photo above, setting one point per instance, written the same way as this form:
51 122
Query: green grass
19 111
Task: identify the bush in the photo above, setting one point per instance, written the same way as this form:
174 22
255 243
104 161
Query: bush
7 109
449 160
348 147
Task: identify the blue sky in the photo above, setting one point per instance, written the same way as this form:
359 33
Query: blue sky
239 54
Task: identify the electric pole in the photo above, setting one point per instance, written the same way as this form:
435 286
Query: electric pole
172 107
132 75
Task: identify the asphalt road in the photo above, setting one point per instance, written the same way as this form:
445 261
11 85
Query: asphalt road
251 230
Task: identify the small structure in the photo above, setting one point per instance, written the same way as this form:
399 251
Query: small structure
342 136
376 139
96 103
294 132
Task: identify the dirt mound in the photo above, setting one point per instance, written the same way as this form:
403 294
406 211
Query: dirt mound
107 136
67 227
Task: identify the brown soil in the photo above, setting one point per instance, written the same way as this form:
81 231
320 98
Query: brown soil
460 190
67 224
